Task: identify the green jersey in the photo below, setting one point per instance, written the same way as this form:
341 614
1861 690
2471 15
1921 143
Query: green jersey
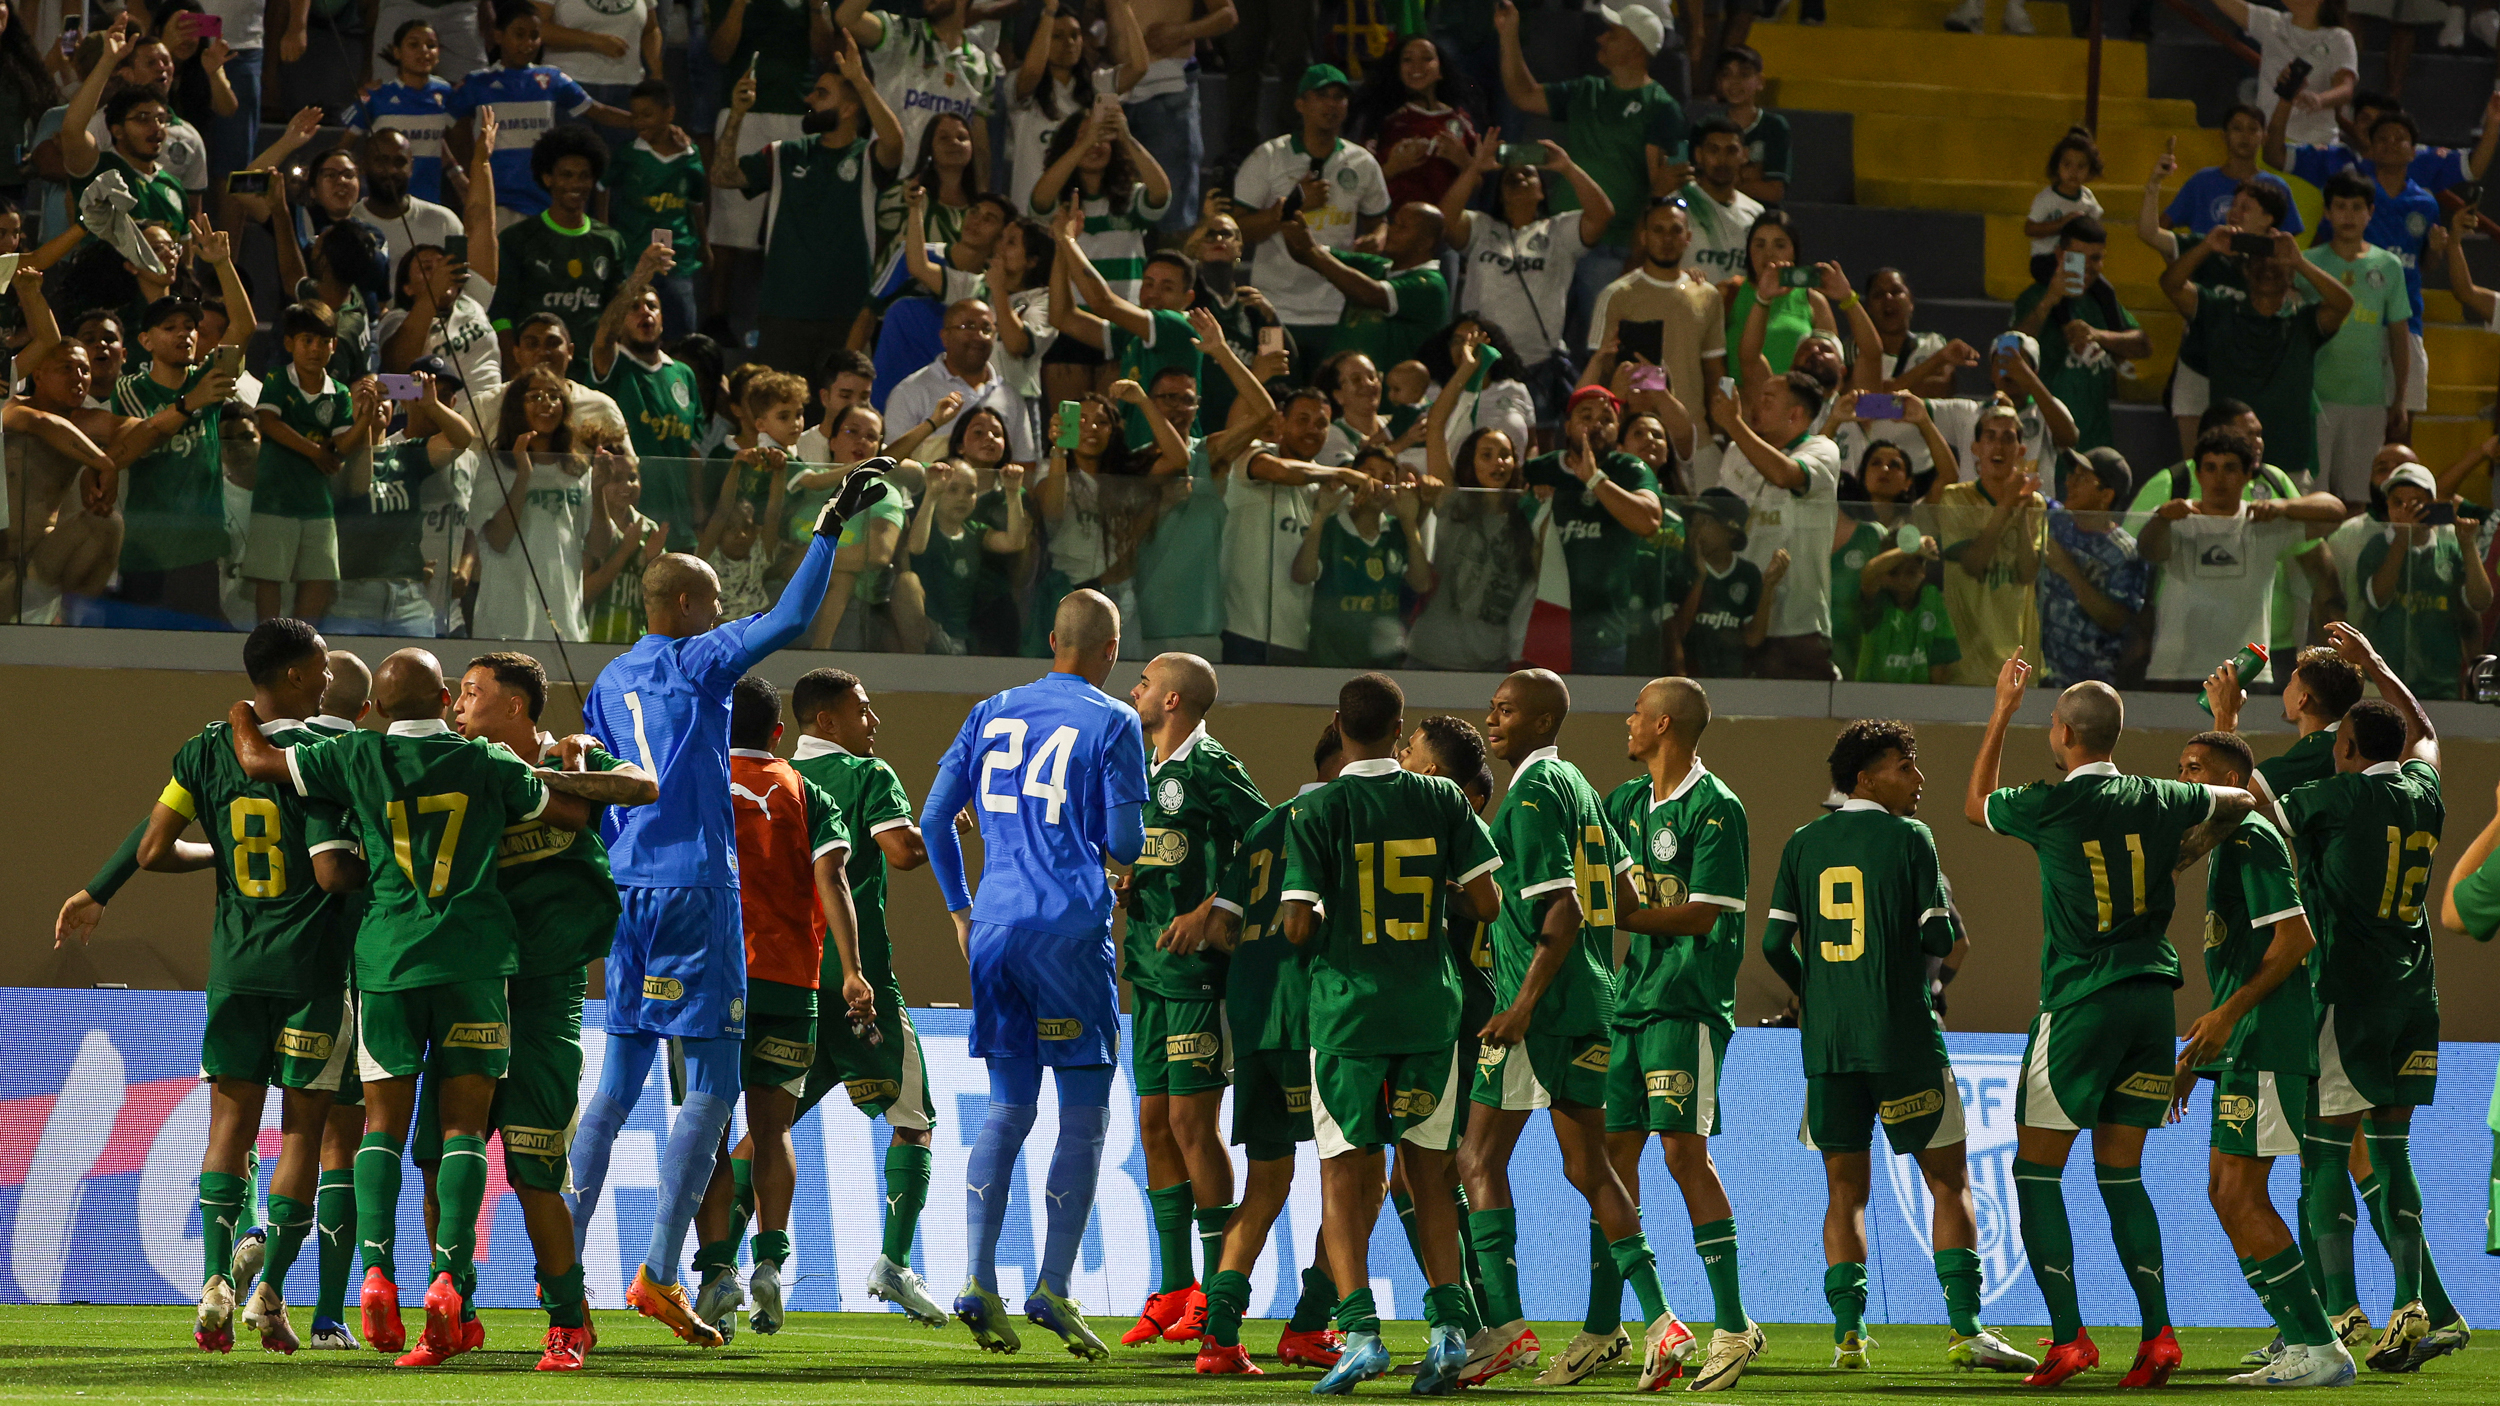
1376 851
2107 843
2083 381
871 799
1856 952
948 571
288 484
1552 835
1357 602
175 512
663 410
1171 345
564 904
2365 840
648 191
1419 304
1689 847
2248 889
1200 801
159 193
1714 643
1471 953
429 808
382 534
2417 628
1267 985
2310 758
276 932
776 44
1866 541
818 262
569 272
1601 555
1903 642
1608 130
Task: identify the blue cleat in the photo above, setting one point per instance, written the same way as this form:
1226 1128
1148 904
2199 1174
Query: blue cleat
985 1314
1066 1317
1367 1357
1437 1374
330 1335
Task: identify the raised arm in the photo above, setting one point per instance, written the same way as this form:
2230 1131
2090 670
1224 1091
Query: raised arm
1357 286
2177 280
2012 679
1517 82
1253 407
79 153
2421 739
2148 212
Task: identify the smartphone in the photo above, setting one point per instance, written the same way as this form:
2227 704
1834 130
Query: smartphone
1271 340
2256 246
1727 387
2009 344
2468 193
2076 263
2438 515
207 27
399 387
1645 340
1070 416
1523 154
2295 76
73 29
1800 276
752 60
665 239
1649 378
227 361
456 248
1878 405
247 182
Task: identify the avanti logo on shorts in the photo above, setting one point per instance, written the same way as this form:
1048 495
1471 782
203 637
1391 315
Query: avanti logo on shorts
1193 1047
872 1090
662 988
1595 1058
534 1142
2234 1108
1067 1029
2420 1064
792 1053
2144 1085
1673 1085
1488 1056
304 1044
1298 1100
1986 1085
1917 1105
478 1035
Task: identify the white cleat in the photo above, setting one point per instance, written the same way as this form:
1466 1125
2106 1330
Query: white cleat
1495 1350
1666 1346
1850 1353
1583 1355
718 1301
899 1285
764 1285
266 1315
213 1327
2327 1365
1985 1351
331 1337
1730 1353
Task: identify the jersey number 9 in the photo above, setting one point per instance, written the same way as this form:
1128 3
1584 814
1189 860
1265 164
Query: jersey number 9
1852 912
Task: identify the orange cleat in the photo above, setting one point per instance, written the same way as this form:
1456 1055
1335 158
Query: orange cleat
433 1351
2064 1360
667 1303
1216 1360
1319 1348
384 1332
1162 1313
566 1347
2155 1359
1193 1324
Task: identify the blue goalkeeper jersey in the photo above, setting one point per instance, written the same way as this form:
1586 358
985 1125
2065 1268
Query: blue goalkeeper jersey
664 706
1046 765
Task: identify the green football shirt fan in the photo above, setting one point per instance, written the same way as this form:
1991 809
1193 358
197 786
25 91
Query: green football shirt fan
1602 556
1419 305
569 271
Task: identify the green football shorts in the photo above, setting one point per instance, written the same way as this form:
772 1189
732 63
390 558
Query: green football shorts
462 1027
292 1042
1664 1078
1271 1102
2259 1113
2108 1058
2377 1056
886 1079
1543 1070
537 1102
1919 1110
780 1049
1365 1101
1181 1046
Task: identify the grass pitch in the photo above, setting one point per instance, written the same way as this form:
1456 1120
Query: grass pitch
58 1354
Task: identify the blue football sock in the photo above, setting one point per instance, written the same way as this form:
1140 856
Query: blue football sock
989 1178
621 1077
1075 1168
712 1077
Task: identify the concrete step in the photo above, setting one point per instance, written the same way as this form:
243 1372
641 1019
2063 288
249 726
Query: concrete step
1984 146
1819 90
1981 196
1941 253
1923 15
2012 63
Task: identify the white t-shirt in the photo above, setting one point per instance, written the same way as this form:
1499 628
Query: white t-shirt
443 496
1023 374
244 30
466 340
1958 421
1264 524
1029 129
2329 50
919 77
1800 522
916 395
2217 590
554 515
1501 405
2049 205
623 18
423 222
1719 232
184 154
591 409
1520 279
1356 189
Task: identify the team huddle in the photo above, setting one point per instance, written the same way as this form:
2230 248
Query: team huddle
406 919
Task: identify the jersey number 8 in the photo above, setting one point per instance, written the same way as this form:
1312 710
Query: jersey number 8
1046 779
265 844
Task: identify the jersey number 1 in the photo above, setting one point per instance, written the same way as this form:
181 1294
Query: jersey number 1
1046 779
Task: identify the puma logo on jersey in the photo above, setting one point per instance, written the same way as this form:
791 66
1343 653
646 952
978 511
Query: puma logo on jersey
762 802
1067 1029
1918 1105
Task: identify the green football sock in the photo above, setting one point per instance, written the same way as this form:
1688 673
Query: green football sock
1844 1288
290 1221
1228 1298
377 1202
1171 1212
459 1192
1958 1272
221 1209
2491 1209
1494 1236
2136 1229
1318 1301
2049 1243
1445 1306
1633 1264
1211 1223
1474 1277
2435 1299
250 1219
2391 1154
2326 1207
562 1296
1715 1242
1405 1206
1355 1313
741 1210
772 1246
1605 1313
906 1192
713 1256
334 1208
2282 1284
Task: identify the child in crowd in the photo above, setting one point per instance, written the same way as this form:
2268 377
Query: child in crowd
2074 160
656 183
1738 85
948 547
622 543
1727 611
738 542
772 405
2311 32
1407 393
415 104
1367 544
1908 637
308 425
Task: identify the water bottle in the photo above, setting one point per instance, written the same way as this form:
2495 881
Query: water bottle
2250 659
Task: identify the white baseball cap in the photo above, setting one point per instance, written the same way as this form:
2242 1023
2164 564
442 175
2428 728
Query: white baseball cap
1647 22
2412 476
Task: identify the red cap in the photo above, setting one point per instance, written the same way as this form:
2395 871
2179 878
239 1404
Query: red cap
1588 392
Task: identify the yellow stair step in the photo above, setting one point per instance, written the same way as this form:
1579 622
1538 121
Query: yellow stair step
1983 146
1821 92
2042 65
2011 199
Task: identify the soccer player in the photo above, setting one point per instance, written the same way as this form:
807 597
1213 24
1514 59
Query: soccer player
1856 951
2365 837
277 978
1200 801
2321 688
793 896
1685 910
1547 1046
2100 1054
1267 1000
678 968
564 910
1368 860
2472 907
1058 769
2258 1044
432 957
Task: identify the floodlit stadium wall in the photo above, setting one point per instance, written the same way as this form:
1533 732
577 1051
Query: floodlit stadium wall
102 1119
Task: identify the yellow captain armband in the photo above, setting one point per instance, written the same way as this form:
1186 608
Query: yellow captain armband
178 800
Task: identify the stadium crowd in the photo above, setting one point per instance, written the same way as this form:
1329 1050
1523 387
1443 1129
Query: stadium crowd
1355 374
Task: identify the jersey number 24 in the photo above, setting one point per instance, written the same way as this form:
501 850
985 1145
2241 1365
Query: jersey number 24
1045 778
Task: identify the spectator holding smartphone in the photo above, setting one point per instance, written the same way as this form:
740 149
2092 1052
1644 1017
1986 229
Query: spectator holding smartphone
2264 349
309 424
2083 332
2093 580
2073 161
2422 593
1519 261
2306 61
